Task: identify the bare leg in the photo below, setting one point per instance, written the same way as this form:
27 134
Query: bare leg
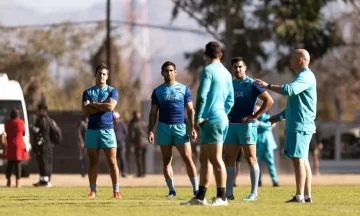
186 155
93 155
250 156
110 154
166 152
300 176
307 190
231 153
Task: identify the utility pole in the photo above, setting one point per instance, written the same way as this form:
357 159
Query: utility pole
108 42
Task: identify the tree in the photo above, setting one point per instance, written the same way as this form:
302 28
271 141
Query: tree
28 53
244 27
338 72
300 24
227 23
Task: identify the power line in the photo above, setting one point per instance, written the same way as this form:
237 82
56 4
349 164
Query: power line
117 22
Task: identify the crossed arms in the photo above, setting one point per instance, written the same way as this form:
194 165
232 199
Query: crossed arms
90 108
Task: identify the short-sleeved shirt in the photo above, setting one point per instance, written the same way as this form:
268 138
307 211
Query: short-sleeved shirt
246 93
100 120
300 112
171 101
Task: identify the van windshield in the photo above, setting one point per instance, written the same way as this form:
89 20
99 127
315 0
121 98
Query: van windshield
5 108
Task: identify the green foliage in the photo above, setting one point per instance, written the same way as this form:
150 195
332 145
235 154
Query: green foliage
300 24
226 22
28 53
243 26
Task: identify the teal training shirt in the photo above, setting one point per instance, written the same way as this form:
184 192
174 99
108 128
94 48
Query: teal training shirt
300 112
215 96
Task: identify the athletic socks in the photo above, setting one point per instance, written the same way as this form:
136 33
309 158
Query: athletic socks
170 184
115 188
194 184
230 180
220 192
201 193
254 177
93 187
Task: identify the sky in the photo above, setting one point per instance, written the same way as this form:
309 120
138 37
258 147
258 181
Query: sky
47 6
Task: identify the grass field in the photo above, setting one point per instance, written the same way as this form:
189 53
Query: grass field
328 200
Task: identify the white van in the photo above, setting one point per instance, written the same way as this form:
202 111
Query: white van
11 96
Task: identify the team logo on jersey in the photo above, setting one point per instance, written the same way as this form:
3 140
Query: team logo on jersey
171 97
247 138
239 94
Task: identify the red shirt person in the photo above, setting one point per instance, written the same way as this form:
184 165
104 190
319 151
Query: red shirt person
15 150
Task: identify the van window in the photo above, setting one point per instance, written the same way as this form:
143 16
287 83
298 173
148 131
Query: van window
5 108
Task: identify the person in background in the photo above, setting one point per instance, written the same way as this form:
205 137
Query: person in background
138 138
80 134
265 147
121 133
43 148
15 150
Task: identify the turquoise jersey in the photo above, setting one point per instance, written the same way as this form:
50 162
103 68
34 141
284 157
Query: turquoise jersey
300 112
215 96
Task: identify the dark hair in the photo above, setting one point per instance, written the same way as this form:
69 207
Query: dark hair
101 67
168 63
237 59
15 113
42 106
213 50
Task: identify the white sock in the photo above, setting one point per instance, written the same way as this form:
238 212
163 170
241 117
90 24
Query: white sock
307 196
299 197
46 178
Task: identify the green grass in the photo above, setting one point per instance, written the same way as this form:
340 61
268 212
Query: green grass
328 200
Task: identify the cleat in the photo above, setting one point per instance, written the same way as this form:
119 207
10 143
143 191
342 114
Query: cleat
276 184
195 201
92 195
259 183
294 200
42 184
171 194
117 195
308 200
217 201
230 197
251 197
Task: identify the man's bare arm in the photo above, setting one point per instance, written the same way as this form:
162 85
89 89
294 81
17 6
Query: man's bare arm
191 114
107 106
153 117
267 103
87 109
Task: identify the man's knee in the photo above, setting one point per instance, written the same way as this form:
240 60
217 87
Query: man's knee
93 159
252 160
296 162
112 162
187 157
167 160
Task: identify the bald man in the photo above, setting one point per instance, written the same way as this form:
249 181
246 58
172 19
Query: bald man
300 116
